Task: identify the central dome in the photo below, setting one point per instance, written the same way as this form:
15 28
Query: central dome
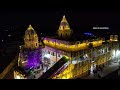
30 31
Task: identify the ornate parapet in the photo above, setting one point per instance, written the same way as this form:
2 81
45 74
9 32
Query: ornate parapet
67 46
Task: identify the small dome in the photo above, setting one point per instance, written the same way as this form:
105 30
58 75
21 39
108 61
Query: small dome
30 31
64 25
31 38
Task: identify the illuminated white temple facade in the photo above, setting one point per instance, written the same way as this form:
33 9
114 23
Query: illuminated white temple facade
82 54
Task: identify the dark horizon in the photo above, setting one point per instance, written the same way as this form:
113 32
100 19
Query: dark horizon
47 22
51 20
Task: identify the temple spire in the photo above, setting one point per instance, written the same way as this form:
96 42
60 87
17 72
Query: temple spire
64 30
30 27
64 25
64 19
31 38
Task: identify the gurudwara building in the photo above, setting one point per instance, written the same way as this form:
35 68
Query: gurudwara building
38 57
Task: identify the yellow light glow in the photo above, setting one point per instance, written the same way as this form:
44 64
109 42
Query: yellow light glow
62 46
18 77
24 61
62 27
71 71
30 27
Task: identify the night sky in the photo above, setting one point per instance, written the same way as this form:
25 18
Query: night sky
49 21
14 21
46 17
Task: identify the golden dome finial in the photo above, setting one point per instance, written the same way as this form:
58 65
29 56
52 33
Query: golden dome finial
63 16
64 19
30 27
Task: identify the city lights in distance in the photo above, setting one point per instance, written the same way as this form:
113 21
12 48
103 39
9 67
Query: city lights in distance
87 33
9 35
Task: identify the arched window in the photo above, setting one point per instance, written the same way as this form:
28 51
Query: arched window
29 35
53 54
66 34
61 35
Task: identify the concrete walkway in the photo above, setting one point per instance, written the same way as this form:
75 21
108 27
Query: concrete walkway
113 66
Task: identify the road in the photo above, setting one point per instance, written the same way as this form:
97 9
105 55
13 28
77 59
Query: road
8 71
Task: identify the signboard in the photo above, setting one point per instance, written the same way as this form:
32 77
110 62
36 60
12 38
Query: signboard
100 27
